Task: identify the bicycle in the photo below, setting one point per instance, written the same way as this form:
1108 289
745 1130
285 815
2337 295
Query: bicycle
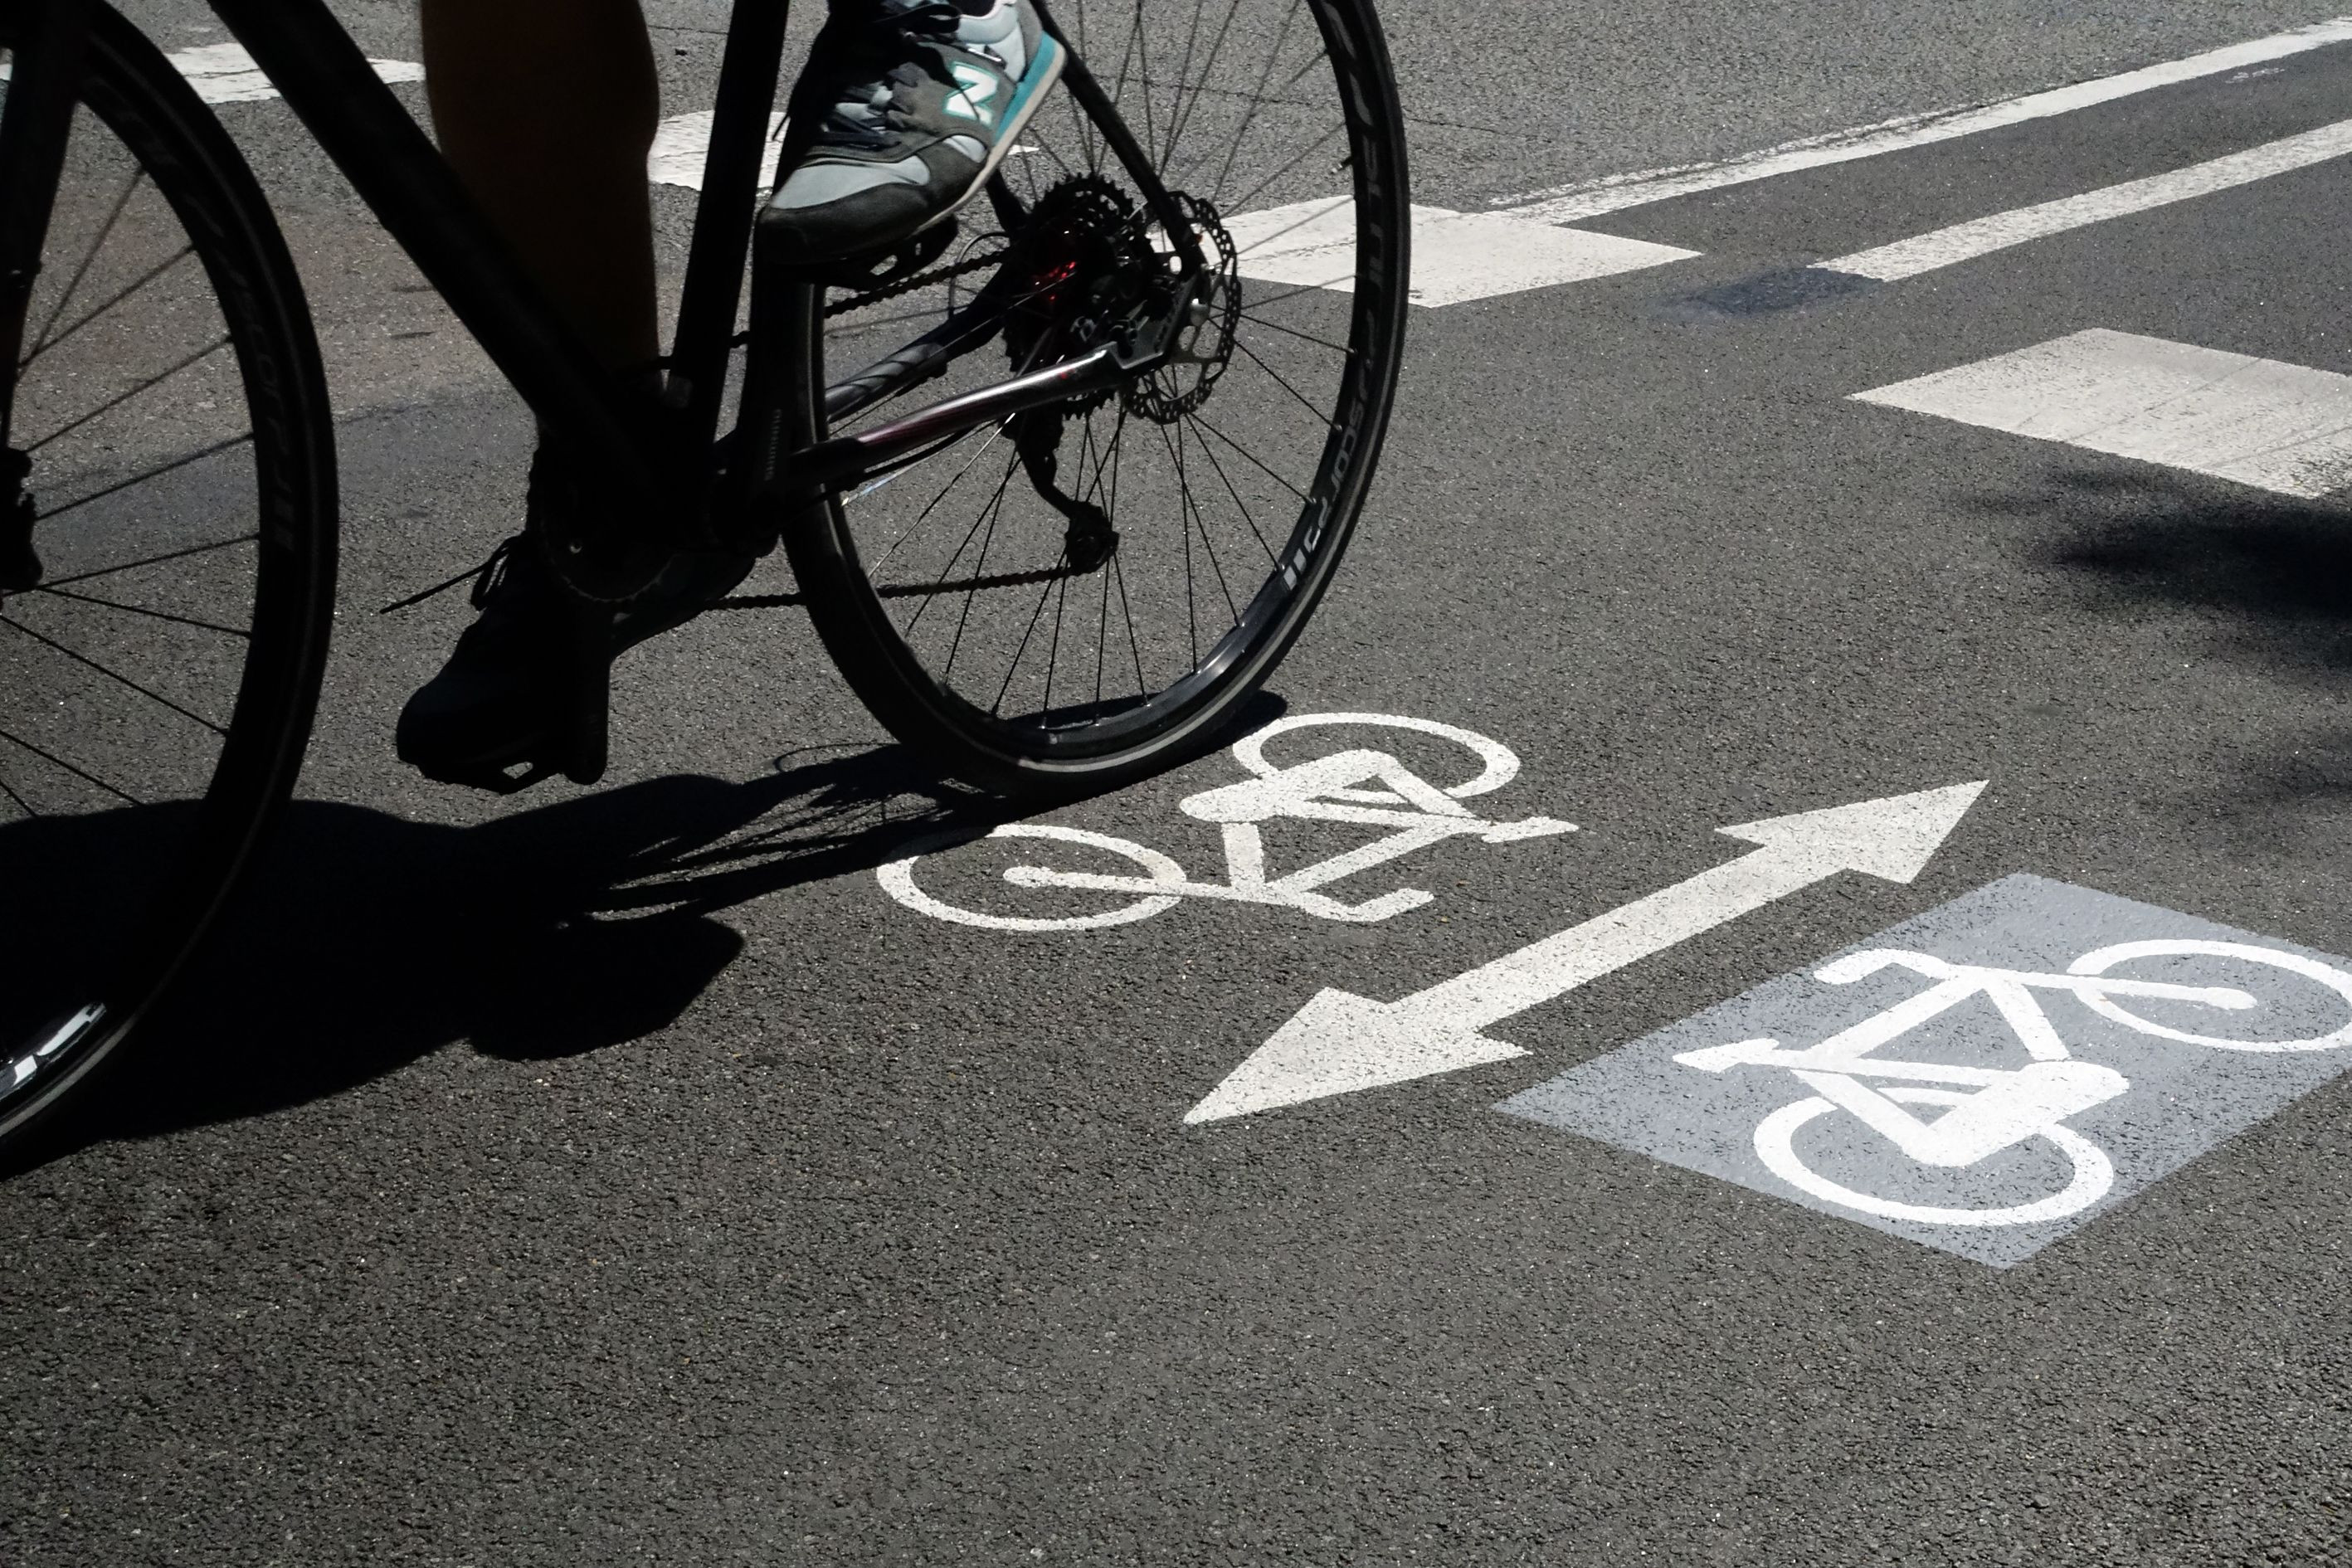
1358 787
1988 1109
1058 483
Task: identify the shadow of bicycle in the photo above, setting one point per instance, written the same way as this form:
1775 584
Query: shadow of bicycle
364 941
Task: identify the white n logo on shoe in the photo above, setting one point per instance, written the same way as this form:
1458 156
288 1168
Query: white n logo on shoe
974 88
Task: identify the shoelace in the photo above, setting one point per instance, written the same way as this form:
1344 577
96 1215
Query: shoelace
887 38
488 576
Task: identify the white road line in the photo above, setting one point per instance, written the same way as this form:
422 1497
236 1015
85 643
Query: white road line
1457 257
681 142
1963 241
225 73
1566 204
1340 1043
2279 427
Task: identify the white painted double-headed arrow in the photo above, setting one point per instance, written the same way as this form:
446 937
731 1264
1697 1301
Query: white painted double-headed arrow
1339 1043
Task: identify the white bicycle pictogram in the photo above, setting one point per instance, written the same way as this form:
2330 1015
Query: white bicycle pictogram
1990 1110
1359 786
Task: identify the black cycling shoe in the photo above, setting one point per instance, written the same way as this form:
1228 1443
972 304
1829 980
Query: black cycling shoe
525 692
501 700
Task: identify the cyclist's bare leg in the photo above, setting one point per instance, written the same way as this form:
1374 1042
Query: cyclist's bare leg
547 110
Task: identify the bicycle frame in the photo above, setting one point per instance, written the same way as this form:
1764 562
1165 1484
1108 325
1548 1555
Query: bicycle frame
654 451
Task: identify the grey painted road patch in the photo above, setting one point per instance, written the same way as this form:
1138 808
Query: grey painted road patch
1984 1077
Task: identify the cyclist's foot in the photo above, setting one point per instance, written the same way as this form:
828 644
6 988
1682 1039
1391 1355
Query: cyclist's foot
498 703
926 101
523 693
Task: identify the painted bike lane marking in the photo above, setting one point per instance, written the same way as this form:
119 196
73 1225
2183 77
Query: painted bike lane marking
2067 1049
1352 787
1341 1043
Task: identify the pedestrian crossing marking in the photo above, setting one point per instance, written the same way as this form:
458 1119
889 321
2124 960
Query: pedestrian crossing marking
1457 257
2276 426
225 73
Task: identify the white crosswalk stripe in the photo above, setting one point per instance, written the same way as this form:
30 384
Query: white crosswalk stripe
1457 257
2279 427
225 73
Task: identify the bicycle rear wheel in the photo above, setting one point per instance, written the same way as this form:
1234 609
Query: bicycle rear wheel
1076 596
161 646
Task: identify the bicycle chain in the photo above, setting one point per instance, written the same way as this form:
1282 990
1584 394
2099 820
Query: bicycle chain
908 285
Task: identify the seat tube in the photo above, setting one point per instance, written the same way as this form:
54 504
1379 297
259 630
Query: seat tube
748 75
44 77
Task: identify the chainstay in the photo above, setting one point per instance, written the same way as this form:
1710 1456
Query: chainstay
909 590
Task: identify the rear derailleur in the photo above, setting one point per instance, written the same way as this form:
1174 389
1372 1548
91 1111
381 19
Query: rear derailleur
1090 539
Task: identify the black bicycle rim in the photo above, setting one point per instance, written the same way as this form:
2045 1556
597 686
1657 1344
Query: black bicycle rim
1255 533
159 682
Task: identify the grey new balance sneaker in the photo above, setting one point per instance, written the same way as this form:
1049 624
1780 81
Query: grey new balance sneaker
927 96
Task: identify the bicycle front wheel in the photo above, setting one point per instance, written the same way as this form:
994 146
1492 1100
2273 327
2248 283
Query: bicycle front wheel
1076 596
163 623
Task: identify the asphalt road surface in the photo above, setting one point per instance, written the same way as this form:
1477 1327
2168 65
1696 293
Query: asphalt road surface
631 1174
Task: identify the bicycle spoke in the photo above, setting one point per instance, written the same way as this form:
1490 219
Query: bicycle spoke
43 588
1126 613
1102 628
1143 65
1185 110
1211 453
1313 213
130 189
1246 452
156 697
1294 332
21 804
169 555
994 431
57 762
113 403
1054 653
986 518
1241 131
997 706
1303 400
1241 202
1192 605
1208 546
47 344
1292 293
213 450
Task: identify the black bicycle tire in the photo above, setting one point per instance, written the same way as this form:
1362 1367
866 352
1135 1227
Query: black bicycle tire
851 619
197 169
